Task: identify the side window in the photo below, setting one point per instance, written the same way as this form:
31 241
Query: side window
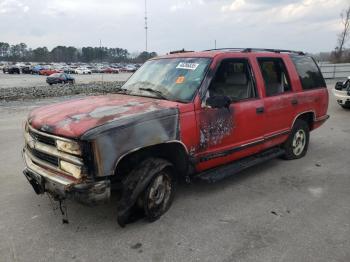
233 79
309 73
275 76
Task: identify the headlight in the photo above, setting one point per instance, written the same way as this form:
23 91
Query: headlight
71 168
68 147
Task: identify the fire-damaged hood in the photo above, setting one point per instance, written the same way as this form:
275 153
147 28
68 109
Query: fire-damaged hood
76 117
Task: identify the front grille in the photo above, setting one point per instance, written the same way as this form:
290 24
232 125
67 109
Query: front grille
45 157
43 139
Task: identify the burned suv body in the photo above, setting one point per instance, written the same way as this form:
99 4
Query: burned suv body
203 115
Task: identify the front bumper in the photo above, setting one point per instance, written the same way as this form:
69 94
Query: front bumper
60 186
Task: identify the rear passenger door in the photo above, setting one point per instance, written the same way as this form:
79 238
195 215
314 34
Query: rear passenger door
279 99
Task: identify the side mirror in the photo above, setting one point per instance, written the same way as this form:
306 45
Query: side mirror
339 86
218 101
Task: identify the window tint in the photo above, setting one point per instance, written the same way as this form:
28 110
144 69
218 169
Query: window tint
233 79
275 76
309 73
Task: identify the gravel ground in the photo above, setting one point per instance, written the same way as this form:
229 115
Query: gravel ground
21 93
23 80
277 211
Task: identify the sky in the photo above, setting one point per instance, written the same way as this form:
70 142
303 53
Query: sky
308 25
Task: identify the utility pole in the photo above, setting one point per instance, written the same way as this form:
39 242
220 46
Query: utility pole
215 43
146 27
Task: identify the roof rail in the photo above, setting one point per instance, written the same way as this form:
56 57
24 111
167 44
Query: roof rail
180 51
225 49
248 50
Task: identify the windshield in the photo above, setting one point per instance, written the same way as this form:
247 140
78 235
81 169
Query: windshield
174 79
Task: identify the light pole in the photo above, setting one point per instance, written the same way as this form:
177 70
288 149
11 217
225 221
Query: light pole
146 27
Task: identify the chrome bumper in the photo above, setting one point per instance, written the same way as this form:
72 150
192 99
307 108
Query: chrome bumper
47 178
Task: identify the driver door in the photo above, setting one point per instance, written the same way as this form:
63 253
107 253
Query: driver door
235 131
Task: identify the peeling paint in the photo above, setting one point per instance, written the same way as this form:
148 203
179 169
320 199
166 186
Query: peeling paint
214 127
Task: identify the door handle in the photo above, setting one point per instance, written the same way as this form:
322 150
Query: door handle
260 110
294 101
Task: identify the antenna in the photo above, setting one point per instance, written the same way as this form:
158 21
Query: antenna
146 27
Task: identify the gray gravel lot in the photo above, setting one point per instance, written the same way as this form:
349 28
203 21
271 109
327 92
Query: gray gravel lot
277 211
24 80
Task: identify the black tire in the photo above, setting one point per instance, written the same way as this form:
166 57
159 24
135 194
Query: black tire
159 194
298 141
345 106
136 189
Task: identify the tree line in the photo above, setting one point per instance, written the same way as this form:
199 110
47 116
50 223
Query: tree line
341 54
22 53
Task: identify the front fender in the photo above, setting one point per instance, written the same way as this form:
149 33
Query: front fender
115 139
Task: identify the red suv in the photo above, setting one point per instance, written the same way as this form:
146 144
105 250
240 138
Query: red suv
204 115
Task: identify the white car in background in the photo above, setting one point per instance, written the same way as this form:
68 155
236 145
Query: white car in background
83 71
341 92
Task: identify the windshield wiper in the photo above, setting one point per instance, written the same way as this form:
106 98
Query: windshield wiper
154 91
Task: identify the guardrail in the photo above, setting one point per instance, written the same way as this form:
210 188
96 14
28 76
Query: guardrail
331 71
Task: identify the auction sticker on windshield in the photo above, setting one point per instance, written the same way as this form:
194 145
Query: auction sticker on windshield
180 80
188 66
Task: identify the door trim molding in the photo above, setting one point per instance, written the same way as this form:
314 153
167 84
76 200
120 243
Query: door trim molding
235 149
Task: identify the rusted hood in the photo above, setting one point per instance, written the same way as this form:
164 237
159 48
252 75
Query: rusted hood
75 117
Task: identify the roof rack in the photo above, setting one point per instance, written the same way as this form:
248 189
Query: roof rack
180 51
248 50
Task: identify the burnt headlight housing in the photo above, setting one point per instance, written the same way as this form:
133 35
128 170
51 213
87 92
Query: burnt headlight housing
74 170
70 147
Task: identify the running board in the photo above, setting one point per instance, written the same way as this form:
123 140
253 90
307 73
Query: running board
219 173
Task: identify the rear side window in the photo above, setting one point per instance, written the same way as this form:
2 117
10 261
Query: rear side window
275 76
309 73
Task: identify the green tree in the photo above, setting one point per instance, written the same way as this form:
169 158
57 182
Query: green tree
4 50
41 54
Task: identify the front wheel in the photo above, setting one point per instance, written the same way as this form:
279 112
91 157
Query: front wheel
159 194
148 191
298 141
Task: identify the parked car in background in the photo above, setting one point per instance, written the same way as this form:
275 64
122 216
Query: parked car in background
83 71
110 70
12 69
129 69
27 70
341 92
5 69
69 70
60 78
47 72
36 69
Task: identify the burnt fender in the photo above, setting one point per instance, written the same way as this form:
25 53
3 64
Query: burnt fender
135 183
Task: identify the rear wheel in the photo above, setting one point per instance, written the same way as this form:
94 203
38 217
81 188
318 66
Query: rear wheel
345 106
298 141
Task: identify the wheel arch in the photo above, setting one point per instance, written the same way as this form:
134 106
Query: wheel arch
307 116
174 151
